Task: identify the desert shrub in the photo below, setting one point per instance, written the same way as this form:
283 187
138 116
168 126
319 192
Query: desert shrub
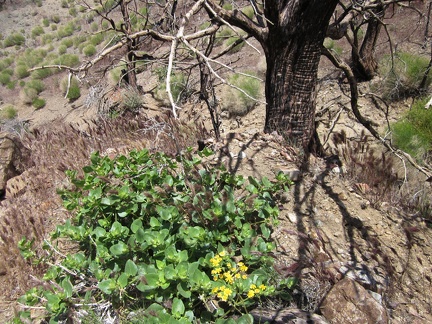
38 103
37 85
41 73
413 133
234 40
330 44
68 42
73 11
64 4
74 91
97 39
62 49
89 50
37 31
236 102
14 39
94 26
403 75
169 236
249 11
67 59
21 71
132 100
78 40
27 95
5 78
179 86
47 39
45 22
8 112
55 19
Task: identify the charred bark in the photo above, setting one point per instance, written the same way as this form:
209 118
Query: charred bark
293 49
364 63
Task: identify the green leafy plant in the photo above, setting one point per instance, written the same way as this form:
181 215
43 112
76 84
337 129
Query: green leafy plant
178 238
37 31
21 71
413 132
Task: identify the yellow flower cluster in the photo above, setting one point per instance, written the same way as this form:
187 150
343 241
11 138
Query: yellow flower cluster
227 271
222 292
254 290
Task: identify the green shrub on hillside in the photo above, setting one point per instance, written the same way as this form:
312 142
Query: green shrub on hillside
8 112
89 50
74 91
5 78
68 60
21 71
165 237
413 133
15 39
38 103
236 102
403 74
37 31
37 85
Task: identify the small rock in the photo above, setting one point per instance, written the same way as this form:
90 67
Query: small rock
349 302
292 217
241 155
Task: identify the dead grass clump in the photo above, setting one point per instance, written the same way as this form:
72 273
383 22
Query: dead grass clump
373 174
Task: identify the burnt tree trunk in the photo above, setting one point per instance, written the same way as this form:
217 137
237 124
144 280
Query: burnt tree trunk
293 49
364 62
130 45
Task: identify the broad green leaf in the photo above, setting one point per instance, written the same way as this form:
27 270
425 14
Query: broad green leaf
183 290
154 223
123 280
130 268
140 235
265 230
119 248
67 286
169 272
107 286
178 307
136 225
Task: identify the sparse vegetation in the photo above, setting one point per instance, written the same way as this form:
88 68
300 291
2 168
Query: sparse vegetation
238 103
38 103
15 39
8 112
37 31
89 50
74 91
413 133
403 74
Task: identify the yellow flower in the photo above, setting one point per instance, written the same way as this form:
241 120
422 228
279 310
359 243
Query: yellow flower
242 267
257 290
250 293
215 261
215 290
222 253
244 277
252 287
228 277
237 276
262 287
215 278
216 271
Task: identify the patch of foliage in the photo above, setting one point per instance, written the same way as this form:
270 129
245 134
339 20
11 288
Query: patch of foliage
179 239
413 133
38 103
89 50
8 112
236 102
403 75
15 39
